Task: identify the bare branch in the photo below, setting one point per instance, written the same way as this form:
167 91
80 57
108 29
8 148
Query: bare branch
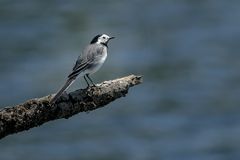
37 111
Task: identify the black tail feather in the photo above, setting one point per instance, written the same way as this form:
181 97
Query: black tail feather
59 93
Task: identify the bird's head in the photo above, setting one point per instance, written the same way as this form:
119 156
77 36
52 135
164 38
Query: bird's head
101 39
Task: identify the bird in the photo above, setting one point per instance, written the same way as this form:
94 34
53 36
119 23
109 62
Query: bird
89 61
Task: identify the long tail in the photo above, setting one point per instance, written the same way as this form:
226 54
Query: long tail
59 93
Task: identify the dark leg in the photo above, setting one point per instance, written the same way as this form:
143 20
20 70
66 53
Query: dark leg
86 81
90 80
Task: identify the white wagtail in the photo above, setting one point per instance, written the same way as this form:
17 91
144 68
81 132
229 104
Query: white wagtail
89 61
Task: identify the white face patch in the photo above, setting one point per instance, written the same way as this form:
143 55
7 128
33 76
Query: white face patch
103 39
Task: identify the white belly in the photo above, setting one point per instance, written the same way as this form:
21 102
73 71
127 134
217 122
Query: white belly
97 65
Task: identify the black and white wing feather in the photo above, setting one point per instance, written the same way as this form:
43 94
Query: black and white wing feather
89 57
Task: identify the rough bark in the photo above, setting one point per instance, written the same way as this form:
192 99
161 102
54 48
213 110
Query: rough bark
37 111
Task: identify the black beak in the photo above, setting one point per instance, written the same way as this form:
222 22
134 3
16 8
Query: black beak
111 38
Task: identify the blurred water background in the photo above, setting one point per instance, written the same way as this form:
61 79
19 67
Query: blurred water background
188 51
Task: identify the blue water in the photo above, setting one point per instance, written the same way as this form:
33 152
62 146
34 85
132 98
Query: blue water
187 108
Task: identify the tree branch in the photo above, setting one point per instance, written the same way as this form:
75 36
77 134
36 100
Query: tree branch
37 111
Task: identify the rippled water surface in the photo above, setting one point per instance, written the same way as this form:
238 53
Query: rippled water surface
187 108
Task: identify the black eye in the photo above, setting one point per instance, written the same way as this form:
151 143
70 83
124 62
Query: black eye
104 37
